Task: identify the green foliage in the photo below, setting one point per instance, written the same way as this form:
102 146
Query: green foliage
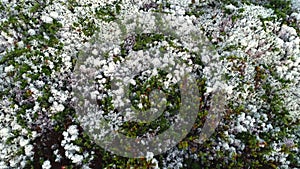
282 8
144 40
88 26
109 13
195 11
36 7
9 57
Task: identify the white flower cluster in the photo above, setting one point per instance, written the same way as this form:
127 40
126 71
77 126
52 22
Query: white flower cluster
9 68
254 48
247 44
72 41
295 5
174 159
139 61
278 155
14 138
72 151
150 158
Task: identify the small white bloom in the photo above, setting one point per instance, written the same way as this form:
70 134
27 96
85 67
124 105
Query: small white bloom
116 51
241 117
154 161
239 128
9 68
244 42
111 67
40 83
149 156
65 134
63 142
269 126
20 44
229 89
73 130
230 7
169 76
73 137
154 72
166 84
51 65
94 95
296 15
77 158
57 107
16 126
4 132
13 163
54 15
140 105
46 19
51 99
4 1
226 146
95 52
31 32
156 62
132 81
28 150
23 142
140 53
46 165
34 134
60 107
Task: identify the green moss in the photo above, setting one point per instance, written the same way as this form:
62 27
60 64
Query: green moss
195 11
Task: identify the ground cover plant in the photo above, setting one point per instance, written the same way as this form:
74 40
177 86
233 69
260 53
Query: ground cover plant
254 48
